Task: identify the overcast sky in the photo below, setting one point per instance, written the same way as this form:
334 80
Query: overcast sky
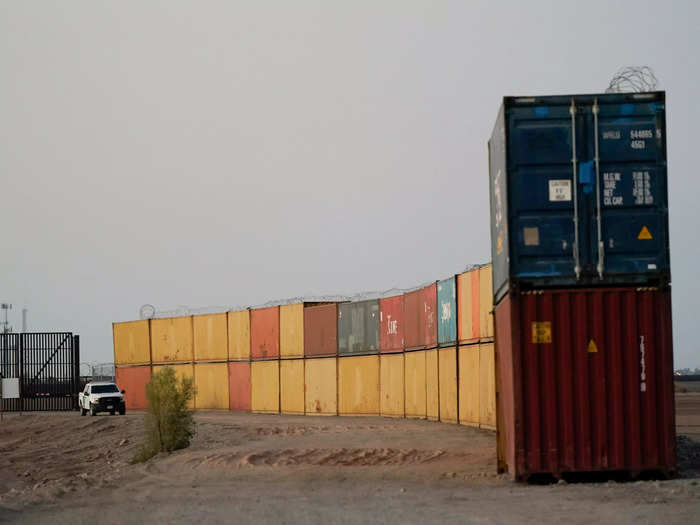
230 153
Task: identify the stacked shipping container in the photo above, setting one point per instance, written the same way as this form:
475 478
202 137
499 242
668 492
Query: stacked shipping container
579 228
397 356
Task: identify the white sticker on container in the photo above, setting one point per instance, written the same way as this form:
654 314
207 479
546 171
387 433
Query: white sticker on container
559 190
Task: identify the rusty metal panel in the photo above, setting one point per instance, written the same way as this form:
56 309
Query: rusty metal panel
292 330
447 312
131 343
469 299
172 340
210 337
321 330
211 384
447 374
486 302
469 385
239 335
415 385
292 386
358 385
265 386
487 386
358 327
432 385
391 381
133 380
420 326
239 386
585 381
391 322
265 333
321 386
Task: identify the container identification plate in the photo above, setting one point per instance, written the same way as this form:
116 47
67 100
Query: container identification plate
559 190
541 332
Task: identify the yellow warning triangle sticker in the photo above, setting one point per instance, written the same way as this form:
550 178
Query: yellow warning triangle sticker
644 234
592 347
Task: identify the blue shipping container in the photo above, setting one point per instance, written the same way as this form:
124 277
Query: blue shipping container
579 191
447 312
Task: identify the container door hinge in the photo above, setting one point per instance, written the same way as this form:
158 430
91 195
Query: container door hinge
577 258
601 245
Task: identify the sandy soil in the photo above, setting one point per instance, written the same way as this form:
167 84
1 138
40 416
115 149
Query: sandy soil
247 468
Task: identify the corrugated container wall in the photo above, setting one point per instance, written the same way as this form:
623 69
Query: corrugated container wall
133 380
292 330
131 343
601 218
432 385
447 378
415 384
391 381
391 321
265 386
420 328
321 330
468 294
447 312
239 335
172 340
585 381
358 385
358 327
485 302
210 337
265 333
211 384
292 386
239 385
321 384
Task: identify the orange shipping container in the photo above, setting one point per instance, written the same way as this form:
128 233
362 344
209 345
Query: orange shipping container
469 312
486 302
133 380
239 386
239 335
265 333
210 337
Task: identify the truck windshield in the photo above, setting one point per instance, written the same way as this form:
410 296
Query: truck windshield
104 389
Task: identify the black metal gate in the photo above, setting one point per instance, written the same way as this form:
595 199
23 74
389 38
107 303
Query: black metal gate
47 367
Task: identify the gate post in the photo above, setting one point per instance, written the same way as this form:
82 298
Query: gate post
76 370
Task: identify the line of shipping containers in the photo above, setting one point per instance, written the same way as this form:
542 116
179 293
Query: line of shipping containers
321 359
392 364
447 353
420 337
172 344
581 273
239 360
211 376
358 361
132 359
265 355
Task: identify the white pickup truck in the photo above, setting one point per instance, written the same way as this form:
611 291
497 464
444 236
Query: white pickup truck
101 396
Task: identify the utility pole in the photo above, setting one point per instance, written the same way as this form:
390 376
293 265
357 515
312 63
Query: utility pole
6 328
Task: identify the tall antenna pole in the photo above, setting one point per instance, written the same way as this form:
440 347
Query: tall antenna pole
6 328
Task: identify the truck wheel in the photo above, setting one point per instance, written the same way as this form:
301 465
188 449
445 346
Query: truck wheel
112 412
122 410
93 410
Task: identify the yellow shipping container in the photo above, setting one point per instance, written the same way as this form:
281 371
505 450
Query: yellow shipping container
432 383
487 391
292 386
469 384
172 340
448 385
211 383
321 387
239 335
292 330
358 385
180 372
131 343
210 337
486 301
415 384
265 387
391 383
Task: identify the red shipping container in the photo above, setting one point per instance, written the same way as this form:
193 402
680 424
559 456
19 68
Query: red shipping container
265 333
391 322
133 380
321 330
420 328
239 386
585 382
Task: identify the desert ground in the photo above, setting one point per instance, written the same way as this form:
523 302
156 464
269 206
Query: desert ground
248 468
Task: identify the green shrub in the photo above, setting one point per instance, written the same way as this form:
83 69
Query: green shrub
169 423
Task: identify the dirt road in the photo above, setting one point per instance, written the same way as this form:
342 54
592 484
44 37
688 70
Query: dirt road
248 468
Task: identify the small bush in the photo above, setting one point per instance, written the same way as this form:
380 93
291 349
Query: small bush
169 423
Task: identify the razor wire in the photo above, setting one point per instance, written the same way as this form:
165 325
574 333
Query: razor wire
634 79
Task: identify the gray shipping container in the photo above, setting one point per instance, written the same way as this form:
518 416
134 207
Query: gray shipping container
358 328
